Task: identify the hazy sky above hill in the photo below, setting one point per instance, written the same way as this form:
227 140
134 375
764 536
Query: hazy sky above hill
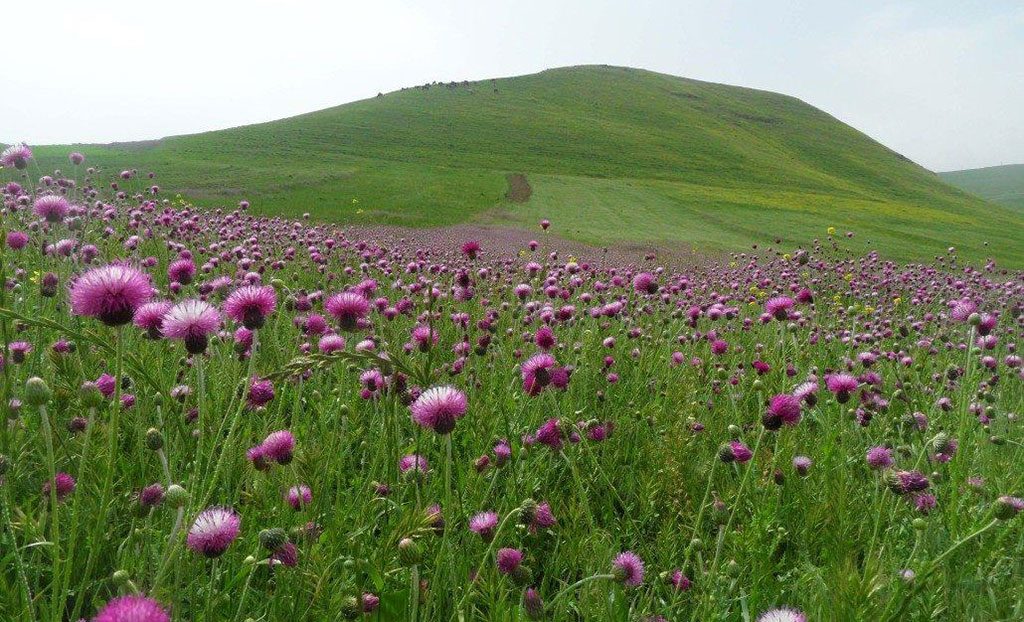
940 81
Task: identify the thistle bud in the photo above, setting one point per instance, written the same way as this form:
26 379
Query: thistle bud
37 392
154 440
176 496
1008 507
273 539
532 604
409 552
90 395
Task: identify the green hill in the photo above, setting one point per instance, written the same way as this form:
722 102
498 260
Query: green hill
610 155
1000 184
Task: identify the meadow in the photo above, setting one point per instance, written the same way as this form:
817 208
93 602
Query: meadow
612 153
216 415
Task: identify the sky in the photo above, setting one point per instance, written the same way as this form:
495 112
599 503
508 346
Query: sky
941 82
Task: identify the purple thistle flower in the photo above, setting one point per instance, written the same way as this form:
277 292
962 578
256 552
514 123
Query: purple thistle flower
299 496
841 385
438 408
782 410
347 308
484 524
17 240
62 483
19 351
645 283
679 581
413 465
152 495
536 372
1007 507
507 560
213 531
150 317
110 293
779 307
181 271
628 569
250 305
191 321
132 608
532 602
906 482
287 555
51 208
802 465
261 392
16 156
278 446
782 614
879 457
550 434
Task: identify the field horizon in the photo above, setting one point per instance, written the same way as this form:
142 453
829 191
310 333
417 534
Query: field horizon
611 155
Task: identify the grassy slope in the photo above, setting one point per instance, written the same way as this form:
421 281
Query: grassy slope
612 154
1001 184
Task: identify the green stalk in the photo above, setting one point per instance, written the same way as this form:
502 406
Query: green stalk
51 465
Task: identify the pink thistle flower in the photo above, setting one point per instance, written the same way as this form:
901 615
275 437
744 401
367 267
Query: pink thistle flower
841 385
508 560
279 446
536 372
484 524
413 466
330 344
628 569
782 614
471 249
213 531
16 156
544 338
132 608
76 158
645 283
879 457
287 555
347 308
110 293
192 321
250 305
779 307
782 410
261 392
152 495
438 408
550 434
17 240
150 317
62 483
299 496
181 271
679 581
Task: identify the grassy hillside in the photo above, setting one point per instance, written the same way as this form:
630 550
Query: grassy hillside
612 154
1000 184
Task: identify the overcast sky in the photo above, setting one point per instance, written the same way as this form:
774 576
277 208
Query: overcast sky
941 82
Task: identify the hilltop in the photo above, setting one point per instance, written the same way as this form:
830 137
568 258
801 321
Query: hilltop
608 154
999 184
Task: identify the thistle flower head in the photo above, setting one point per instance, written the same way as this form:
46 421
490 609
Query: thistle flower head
110 293
213 531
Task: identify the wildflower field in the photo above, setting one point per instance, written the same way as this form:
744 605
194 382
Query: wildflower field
211 415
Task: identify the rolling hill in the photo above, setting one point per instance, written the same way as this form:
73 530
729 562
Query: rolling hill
999 184
609 155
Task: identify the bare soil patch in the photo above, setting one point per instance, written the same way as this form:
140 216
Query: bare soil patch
519 189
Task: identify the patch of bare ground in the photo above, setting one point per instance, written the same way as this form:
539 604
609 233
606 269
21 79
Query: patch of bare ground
519 189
